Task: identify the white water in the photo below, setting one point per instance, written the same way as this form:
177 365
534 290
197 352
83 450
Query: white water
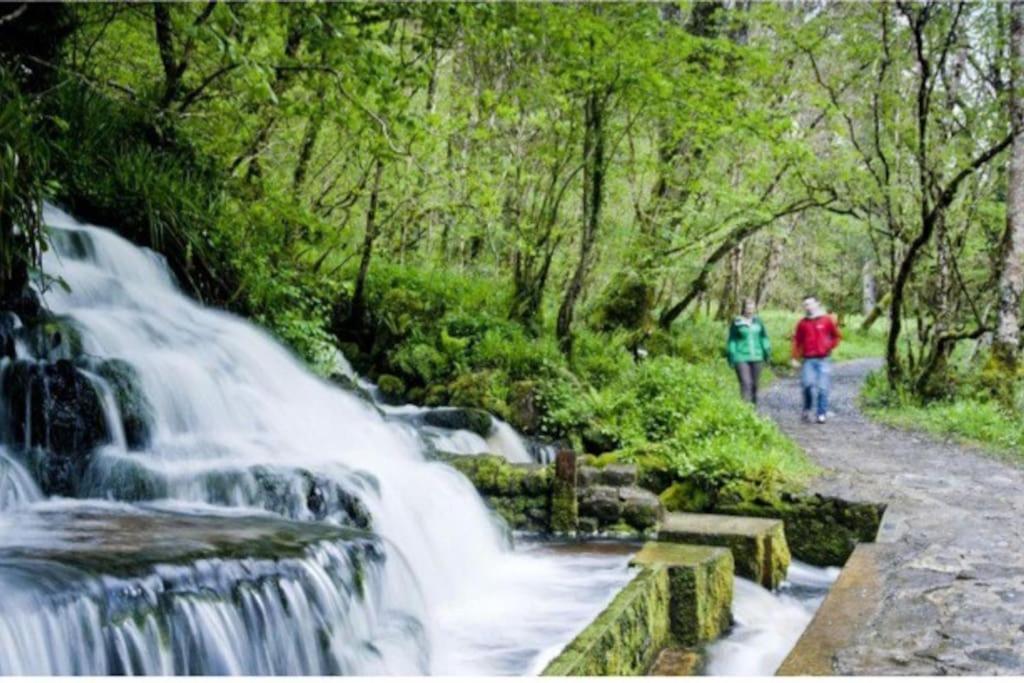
17 488
227 398
767 625
503 439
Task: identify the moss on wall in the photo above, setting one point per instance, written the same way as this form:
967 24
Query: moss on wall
820 530
626 637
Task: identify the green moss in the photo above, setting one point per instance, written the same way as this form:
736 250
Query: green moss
392 387
564 507
701 580
686 496
820 530
624 639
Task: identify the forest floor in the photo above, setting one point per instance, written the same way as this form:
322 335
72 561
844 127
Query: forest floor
950 565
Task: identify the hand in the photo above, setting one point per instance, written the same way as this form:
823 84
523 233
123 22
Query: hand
794 363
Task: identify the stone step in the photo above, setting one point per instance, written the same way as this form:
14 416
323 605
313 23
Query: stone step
758 544
849 605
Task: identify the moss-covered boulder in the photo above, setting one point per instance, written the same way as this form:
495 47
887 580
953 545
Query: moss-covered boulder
521 493
392 388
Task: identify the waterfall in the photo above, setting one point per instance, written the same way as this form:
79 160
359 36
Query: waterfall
203 411
16 486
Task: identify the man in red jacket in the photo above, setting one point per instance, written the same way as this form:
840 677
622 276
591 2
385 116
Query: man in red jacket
815 337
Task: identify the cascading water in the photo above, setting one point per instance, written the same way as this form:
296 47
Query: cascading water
767 625
206 411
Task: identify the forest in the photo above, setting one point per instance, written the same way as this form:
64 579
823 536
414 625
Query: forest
552 211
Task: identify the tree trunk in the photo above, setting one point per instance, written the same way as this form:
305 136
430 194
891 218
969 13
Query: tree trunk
309 139
593 191
359 293
772 268
729 302
868 288
875 313
1006 344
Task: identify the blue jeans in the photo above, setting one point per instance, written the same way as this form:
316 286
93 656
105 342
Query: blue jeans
815 374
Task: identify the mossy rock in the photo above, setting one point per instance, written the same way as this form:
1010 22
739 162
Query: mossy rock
52 337
135 409
392 388
686 496
469 419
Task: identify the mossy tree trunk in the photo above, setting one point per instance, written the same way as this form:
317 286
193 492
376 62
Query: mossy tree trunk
1006 344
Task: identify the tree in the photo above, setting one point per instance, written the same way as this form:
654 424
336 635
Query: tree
1006 344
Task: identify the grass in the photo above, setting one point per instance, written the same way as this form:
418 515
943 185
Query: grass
971 416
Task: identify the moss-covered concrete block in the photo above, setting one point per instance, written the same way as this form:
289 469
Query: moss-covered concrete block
758 544
700 584
625 638
820 530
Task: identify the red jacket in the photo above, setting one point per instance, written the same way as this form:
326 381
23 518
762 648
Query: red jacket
815 337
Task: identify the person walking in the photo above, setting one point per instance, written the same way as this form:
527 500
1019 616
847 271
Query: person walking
748 348
815 338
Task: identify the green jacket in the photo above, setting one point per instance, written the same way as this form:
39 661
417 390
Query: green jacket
748 342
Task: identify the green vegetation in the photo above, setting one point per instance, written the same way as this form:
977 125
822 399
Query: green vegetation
548 211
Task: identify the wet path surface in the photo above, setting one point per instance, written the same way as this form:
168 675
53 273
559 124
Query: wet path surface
951 562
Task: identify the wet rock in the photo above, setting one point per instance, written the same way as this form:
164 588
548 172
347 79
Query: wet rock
588 525
347 383
24 303
618 475
641 509
135 409
52 338
8 324
55 410
460 418
600 502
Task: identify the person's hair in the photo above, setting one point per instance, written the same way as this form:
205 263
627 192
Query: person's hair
749 300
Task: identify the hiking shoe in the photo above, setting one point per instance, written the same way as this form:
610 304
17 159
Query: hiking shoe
806 416
821 419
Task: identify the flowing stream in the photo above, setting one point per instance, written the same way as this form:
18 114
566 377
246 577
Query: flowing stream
206 541
767 625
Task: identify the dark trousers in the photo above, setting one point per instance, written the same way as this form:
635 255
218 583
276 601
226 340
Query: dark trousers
749 374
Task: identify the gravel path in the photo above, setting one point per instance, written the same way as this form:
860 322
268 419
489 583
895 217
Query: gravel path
951 572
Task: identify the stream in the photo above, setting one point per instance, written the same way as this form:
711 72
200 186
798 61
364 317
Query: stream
246 517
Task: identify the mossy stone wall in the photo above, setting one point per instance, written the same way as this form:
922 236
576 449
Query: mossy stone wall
626 637
681 597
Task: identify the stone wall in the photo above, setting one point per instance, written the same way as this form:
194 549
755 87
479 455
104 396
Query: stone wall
681 597
562 498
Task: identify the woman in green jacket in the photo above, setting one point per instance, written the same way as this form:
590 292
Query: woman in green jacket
747 349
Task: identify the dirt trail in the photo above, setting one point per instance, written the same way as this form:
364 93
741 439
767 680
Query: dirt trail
951 596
